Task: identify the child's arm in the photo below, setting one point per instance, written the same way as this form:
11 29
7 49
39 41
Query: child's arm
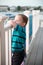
3 19
10 24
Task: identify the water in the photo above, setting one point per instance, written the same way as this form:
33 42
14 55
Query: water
9 14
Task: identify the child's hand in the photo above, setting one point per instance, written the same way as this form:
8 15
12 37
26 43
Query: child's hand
12 23
3 18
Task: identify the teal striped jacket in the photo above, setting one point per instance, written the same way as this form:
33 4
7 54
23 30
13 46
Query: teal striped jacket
18 39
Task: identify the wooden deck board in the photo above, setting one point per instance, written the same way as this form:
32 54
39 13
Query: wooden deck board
35 56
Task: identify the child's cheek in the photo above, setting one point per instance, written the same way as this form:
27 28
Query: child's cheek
17 22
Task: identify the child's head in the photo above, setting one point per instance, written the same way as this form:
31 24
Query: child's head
21 19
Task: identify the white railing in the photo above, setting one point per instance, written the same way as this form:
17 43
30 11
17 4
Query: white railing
36 22
5 44
2 44
7 39
8 46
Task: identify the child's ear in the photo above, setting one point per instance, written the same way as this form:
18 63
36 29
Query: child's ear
24 24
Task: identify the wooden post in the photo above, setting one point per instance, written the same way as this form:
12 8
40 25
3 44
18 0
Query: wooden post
2 44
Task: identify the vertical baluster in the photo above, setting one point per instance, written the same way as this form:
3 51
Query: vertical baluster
36 21
6 46
2 42
9 47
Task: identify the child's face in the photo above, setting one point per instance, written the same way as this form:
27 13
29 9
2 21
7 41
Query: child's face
18 19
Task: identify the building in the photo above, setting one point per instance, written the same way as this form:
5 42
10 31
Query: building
3 8
24 7
13 8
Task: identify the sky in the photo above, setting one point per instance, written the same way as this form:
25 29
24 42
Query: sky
22 2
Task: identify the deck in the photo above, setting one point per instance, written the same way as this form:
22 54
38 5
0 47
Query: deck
35 55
